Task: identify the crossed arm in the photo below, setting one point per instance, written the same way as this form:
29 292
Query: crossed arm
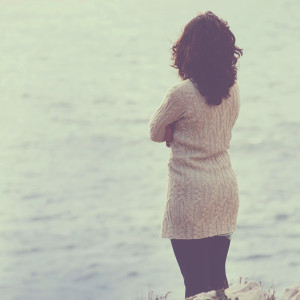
162 123
169 134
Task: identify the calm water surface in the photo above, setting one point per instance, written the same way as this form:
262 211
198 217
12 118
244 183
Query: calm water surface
83 188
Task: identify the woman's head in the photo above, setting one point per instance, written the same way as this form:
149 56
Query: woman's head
206 53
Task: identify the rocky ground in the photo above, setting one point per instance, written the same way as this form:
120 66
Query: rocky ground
250 291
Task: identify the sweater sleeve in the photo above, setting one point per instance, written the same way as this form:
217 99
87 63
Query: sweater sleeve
170 111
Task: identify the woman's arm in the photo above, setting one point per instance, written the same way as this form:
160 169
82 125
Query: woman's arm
170 111
169 134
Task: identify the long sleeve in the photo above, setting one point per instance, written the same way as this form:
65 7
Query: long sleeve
170 111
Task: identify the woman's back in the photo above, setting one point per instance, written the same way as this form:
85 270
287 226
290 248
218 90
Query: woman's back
202 133
202 195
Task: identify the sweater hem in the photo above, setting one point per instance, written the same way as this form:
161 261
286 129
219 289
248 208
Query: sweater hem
195 237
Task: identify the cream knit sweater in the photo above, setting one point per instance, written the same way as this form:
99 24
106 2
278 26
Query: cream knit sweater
202 198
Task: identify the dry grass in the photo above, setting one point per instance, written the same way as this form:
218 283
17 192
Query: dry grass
151 296
269 294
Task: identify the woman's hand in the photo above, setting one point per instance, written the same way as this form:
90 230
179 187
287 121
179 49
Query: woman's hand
169 134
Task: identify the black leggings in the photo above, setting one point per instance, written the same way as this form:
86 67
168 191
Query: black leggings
202 263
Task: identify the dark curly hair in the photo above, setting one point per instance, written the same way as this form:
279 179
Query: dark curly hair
206 54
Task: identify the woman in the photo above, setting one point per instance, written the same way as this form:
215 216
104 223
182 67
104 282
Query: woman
195 120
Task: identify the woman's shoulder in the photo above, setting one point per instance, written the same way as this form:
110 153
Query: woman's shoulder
235 87
181 88
234 91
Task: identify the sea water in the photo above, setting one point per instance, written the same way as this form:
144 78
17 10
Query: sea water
83 188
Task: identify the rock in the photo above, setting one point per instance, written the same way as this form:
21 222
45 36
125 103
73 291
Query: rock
292 293
248 291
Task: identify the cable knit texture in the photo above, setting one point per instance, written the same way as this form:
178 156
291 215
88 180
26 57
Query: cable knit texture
202 198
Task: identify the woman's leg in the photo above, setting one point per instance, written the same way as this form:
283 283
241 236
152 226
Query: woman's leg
219 251
193 257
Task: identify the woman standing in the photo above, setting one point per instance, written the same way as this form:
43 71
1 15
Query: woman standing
196 119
